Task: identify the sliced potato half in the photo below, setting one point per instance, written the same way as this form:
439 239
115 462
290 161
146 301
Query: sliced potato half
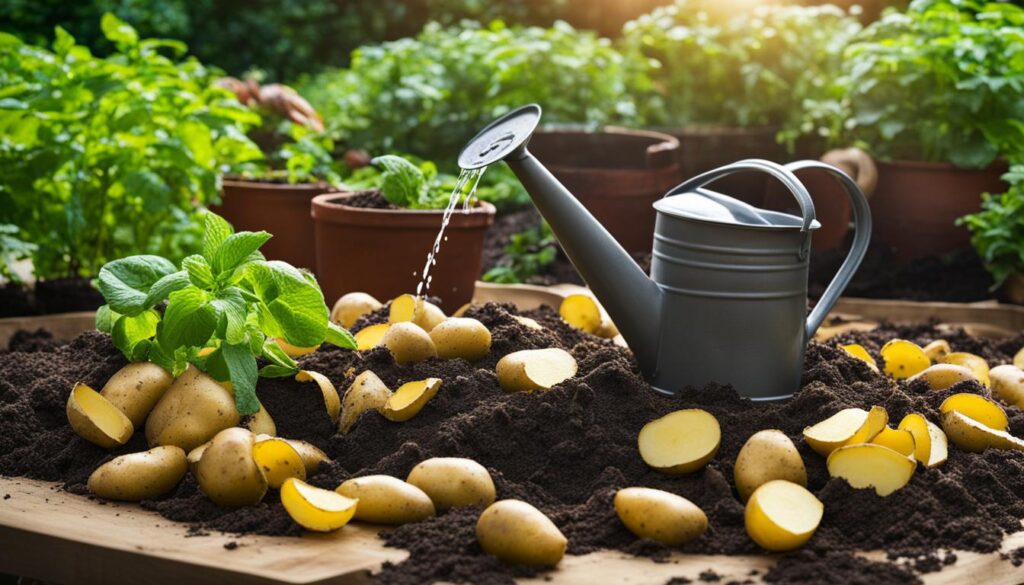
367 392
581 312
930 445
942 376
878 418
937 350
95 419
901 441
680 442
836 430
278 460
903 358
535 369
781 515
975 436
857 350
409 399
872 466
978 408
371 336
316 509
972 362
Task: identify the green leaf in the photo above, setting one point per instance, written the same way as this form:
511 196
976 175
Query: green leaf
150 188
105 319
216 230
242 368
199 271
236 249
162 288
339 336
129 331
275 371
401 182
189 320
174 361
290 305
275 355
126 283
233 309
118 31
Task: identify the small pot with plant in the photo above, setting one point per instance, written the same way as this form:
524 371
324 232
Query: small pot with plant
997 233
376 237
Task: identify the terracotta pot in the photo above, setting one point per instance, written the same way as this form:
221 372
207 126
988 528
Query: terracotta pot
382 251
279 208
617 174
916 205
702 148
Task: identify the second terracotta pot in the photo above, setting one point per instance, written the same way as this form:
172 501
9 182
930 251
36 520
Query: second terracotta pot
617 174
382 251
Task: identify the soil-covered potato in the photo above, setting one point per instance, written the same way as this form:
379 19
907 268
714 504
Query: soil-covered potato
930 445
278 460
903 358
372 336
350 307
314 508
409 343
942 376
387 500
680 442
95 419
870 465
453 482
261 423
227 472
136 388
331 399
518 533
535 369
1008 384
367 392
461 337
139 476
409 399
194 409
835 431
409 308
767 455
781 515
972 362
660 516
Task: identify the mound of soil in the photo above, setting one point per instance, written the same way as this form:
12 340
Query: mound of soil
567 451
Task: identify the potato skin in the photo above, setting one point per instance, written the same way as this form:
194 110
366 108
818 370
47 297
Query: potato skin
767 455
139 476
136 388
660 516
409 343
513 369
350 307
367 392
261 423
83 423
1008 384
191 412
387 500
227 473
461 337
453 482
516 532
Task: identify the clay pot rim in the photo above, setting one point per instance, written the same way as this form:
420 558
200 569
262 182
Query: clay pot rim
660 152
251 184
658 138
942 166
326 208
700 130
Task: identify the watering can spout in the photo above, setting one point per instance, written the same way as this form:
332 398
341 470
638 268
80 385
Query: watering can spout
632 299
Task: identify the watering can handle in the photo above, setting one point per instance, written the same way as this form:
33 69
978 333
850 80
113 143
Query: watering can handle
861 239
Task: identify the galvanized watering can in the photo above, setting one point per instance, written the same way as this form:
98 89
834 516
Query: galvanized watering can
726 300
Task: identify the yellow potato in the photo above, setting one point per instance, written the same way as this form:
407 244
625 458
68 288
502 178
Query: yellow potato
310 454
901 441
977 407
581 312
781 515
680 442
1018 358
942 376
136 388
387 500
1008 384
974 363
528 322
930 445
937 350
857 350
459 337
409 308
227 472
331 399
870 465
408 343
367 392
972 435
277 461
139 476
607 330
903 358
836 430
535 369
261 423
95 419
191 412
294 351
878 418
660 516
350 307
314 508
767 455
370 337
453 482
409 399
518 533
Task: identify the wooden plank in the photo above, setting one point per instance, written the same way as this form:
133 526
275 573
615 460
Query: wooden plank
63 326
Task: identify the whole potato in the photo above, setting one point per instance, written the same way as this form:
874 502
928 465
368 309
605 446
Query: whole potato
409 343
461 337
1008 384
516 532
660 516
387 500
453 482
350 307
136 388
767 455
191 412
227 473
139 476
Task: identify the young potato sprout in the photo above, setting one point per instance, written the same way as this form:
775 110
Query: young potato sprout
782 516
409 399
387 500
367 392
459 337
261 423
518 533
857 350
350 307
331 399
972 435
978 408
136 388
930 445
453 482
903 358
660 516
314 508
409 343
972 362
870 465
370 337
835 431
680 442
878 418
96 420
942 376
294 351
767 455
278 461
901 441
139 476
535 369
227 472
409 308
937 350
1008 384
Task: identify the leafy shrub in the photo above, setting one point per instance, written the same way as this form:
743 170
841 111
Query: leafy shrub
528 254
997 231
101 158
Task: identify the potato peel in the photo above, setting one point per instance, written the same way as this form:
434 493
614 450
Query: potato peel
331 399
409 399
972 362
529 370
857 350
367 392
314 508
978 408
835 431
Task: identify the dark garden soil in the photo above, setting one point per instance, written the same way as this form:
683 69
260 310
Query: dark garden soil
47 297
567 451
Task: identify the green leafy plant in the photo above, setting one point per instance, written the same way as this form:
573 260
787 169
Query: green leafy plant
105 157
224 309
410 184
528 254
12 249
294 154
997 231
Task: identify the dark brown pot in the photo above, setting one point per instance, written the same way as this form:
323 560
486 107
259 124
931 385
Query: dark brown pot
702 148
279 208
382 251
617 174
916 205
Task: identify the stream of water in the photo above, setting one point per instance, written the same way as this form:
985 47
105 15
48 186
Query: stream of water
468 179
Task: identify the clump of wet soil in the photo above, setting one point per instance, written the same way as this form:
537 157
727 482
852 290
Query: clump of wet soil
568 450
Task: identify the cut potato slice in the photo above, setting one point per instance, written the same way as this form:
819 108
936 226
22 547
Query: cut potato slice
857 350
903 358
1008 384
96 419
782 515
535 369
409 399
972 362
937 350
409 343
836 430
316 509
581 312
878 418
367 392
331 399
680 442
977 407
872 466
350 307
416 310
942 376
660 516
901 441
370 337
278 460
294 351
972 435
930 445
